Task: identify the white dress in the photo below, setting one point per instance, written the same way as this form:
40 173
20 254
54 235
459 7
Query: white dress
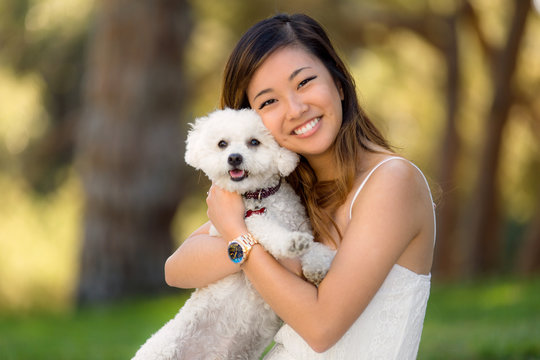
389 328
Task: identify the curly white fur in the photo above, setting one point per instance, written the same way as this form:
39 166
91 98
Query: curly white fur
228 319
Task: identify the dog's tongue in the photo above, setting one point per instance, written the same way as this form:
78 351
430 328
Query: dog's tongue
236 173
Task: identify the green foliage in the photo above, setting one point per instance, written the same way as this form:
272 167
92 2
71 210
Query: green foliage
43 48
491 319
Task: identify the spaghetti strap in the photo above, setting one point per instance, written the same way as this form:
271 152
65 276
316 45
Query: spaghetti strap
421 173
367 178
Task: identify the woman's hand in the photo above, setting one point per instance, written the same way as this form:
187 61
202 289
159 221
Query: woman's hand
226 212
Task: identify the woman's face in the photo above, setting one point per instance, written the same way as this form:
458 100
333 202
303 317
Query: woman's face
298 101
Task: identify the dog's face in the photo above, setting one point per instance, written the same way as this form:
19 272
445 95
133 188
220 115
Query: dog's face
236 151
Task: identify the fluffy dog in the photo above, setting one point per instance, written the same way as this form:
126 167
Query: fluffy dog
228 319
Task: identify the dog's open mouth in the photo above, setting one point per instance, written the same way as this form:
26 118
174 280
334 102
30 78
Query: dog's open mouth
238 174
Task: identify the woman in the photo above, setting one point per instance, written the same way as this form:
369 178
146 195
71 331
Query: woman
372 206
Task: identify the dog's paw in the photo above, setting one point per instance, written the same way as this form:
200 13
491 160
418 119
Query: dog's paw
300 242
315 276
316 262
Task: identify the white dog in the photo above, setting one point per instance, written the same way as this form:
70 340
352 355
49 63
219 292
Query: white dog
228 319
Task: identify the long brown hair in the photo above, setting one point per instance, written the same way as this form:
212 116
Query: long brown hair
320 197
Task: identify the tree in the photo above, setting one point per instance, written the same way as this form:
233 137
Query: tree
486 225
33 47
441 31
528 260
129 145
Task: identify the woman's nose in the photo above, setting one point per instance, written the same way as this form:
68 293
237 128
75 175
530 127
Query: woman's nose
296 107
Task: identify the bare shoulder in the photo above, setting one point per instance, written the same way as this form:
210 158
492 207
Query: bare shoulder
397 176
394 212
397 192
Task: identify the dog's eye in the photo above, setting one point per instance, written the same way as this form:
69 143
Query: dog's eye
254 142
222 144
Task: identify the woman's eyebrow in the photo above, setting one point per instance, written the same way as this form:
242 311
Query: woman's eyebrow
261 93
297 71
291 77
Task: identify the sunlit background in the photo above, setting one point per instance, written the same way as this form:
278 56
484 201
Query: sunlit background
400 81
402 74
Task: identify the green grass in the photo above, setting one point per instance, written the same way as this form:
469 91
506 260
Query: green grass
107 332
490 319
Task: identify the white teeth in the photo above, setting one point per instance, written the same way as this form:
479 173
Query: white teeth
304 129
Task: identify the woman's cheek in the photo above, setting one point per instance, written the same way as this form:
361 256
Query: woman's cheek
271 124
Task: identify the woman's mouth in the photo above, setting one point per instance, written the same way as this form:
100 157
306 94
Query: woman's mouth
307 127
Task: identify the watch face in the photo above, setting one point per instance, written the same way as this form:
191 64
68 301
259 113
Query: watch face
236 253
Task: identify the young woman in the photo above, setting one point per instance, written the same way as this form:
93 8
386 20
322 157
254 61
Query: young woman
374 207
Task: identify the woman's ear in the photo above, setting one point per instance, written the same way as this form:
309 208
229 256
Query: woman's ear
339 87
340 90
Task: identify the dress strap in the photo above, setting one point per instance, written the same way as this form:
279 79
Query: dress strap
421 173
367 178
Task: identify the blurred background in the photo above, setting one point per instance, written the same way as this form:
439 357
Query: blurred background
95 97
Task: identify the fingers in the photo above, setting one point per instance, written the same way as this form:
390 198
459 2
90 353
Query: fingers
226 211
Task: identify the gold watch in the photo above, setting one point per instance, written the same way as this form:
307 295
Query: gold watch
240 247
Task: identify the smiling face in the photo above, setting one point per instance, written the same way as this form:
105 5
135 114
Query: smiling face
298 101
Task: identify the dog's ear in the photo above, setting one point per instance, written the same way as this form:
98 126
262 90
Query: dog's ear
193 141
287 161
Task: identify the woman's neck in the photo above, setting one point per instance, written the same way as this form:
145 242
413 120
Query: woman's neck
324 167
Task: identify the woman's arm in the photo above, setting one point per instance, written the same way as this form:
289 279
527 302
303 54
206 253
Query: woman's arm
388 215
200 260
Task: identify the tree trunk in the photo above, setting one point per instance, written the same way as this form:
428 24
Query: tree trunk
486 224
528 259
445 263
130 145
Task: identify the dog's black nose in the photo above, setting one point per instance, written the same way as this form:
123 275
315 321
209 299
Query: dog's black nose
235 159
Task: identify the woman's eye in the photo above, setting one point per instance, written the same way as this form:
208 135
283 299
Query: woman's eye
222 144
305 81
254 142
267 102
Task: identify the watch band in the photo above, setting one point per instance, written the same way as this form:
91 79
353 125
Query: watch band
247 239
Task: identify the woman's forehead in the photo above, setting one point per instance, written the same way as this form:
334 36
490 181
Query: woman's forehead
282 64
287 57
